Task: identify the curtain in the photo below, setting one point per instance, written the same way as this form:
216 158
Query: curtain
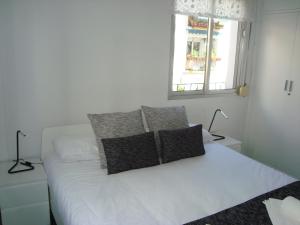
243 52
242 10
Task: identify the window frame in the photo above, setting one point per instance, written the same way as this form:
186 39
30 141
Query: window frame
205 92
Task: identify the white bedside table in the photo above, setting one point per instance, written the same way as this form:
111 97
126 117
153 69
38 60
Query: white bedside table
24 196
231 143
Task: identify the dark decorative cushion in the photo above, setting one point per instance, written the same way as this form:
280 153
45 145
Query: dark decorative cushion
131 152
181 143
166 118
113 125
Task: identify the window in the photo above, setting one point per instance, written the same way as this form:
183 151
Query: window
204 55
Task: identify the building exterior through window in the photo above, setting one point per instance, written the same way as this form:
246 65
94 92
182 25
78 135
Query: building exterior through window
204 56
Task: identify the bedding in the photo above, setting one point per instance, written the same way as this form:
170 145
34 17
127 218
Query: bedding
112 125
164 118
252 212
76 148
133 152
181 143
207 137
168 194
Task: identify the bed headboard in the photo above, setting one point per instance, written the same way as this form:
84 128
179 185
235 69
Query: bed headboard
49 134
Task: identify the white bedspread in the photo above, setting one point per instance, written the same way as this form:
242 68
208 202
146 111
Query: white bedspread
173 193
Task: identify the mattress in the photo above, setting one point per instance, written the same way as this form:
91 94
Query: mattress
172 193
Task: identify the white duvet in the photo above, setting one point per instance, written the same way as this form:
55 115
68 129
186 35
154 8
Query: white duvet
173 193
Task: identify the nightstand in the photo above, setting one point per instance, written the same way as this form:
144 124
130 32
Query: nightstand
231 143
24 196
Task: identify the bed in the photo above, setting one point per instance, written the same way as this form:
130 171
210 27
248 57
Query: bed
81 193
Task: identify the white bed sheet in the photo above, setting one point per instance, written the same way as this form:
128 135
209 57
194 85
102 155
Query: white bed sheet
173 193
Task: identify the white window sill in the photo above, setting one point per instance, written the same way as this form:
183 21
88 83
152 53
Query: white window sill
193 94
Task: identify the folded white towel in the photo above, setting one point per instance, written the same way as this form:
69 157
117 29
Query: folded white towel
273 207
291 208
281 214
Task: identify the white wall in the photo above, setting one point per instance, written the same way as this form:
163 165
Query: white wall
275 5
71 57
4 70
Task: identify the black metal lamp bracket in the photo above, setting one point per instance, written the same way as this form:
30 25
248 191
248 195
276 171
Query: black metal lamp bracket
218 137
17 161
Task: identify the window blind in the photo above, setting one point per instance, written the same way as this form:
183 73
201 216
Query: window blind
241 10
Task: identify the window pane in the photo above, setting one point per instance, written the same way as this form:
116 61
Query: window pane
189 53
223 54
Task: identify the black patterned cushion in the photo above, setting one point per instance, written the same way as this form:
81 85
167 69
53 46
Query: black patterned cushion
181 143
114 125
131 152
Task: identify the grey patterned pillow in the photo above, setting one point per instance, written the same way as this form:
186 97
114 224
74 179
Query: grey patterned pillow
133 152
112 125
181 143
166 118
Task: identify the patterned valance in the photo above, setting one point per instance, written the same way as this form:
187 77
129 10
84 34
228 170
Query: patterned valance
242 10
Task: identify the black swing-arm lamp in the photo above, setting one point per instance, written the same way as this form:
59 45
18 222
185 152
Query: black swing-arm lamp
219 137
17 161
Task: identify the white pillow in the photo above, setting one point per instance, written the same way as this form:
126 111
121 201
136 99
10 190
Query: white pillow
73 149
207 137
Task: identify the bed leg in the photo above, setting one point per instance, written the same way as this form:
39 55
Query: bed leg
52 219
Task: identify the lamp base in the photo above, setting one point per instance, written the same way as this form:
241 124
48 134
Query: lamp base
219 137
26 164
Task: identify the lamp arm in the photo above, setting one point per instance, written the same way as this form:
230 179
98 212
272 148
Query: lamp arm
17 136
213 119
